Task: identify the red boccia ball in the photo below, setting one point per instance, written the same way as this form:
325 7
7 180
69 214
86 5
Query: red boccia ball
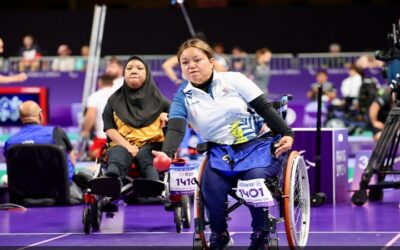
162 163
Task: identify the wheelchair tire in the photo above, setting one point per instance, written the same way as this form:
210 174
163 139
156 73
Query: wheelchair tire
296 201
198 242
178 218
96 216
359 197
199 238
318 199
273 244
186 213
86 220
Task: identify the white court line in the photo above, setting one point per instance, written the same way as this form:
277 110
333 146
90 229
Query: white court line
44 241
390 243
232 232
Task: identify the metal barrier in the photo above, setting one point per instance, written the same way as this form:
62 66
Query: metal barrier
278 62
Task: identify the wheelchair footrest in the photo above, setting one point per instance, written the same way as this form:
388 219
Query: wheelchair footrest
147 188
105 186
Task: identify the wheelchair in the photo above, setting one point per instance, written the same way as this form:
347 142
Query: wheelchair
290 190
103 193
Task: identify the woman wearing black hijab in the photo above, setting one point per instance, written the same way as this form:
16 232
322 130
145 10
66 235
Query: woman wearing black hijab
133 120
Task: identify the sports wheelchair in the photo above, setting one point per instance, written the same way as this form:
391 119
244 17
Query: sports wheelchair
103 194
290 190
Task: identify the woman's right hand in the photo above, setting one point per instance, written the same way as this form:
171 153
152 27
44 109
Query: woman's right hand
133 150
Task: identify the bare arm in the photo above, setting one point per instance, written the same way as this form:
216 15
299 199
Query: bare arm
88 121
168 67
13 78
117 138
72 157
373 115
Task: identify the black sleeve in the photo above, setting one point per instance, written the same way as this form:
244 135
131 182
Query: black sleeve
108 117
274 121
175 133
167 105
61 138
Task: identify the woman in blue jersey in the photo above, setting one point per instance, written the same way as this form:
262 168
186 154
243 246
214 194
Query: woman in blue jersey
231 113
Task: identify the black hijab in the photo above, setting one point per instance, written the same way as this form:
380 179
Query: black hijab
139 107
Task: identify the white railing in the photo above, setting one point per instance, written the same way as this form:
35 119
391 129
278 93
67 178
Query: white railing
278 62
327 60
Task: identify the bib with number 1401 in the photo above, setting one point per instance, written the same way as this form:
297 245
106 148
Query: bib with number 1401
255 193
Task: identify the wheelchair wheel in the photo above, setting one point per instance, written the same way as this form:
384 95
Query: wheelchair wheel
186 213
86 220
178 218
296 201
273 244
359 197
199 242
199 238
96 215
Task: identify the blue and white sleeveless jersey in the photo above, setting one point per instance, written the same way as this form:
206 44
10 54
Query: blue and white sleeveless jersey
222 115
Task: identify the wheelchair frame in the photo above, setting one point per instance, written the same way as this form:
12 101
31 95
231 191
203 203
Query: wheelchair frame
95 205
294 197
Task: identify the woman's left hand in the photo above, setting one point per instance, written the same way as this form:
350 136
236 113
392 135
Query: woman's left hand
163 119
283 145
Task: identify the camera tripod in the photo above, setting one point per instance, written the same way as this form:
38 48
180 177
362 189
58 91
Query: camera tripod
381 162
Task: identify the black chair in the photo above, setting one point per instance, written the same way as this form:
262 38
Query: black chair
38 175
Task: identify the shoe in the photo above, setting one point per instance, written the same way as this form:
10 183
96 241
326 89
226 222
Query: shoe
259 240
220 241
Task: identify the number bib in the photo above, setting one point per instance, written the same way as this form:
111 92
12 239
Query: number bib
255 193
182 179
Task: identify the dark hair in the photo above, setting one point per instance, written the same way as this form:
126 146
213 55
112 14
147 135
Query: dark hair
322 71
107 79
116 61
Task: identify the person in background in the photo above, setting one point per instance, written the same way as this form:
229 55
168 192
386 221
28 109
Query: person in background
93 116
34 132
350 87
21 77
328 90
335 48
238 63
81 62
115 68
220 56
368 62
230 112
379 110
64 62
30 53
260 71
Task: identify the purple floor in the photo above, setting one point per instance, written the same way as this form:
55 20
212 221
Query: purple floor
375 224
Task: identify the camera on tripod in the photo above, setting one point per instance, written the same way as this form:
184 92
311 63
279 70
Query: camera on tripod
385 152
393 51
391 56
